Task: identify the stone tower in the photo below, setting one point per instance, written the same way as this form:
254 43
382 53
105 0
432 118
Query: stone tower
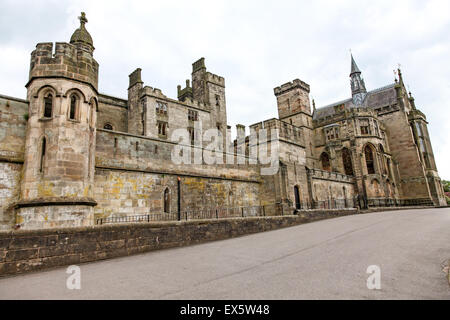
294 108
58 173
209 89
358 86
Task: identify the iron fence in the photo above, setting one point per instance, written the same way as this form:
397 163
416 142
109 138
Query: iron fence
334 204
383 202
199 214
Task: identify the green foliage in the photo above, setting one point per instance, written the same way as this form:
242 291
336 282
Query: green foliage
26 116
446 185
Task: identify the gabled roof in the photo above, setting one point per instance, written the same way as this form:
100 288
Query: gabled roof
380 97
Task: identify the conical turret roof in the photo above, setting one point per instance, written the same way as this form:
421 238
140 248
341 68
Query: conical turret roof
81 34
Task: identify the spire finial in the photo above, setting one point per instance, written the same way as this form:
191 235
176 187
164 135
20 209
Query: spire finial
83 19
314 104
354 66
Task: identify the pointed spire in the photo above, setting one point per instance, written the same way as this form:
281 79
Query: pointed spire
354 68
358 86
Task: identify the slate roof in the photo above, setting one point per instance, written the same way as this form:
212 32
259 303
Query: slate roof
380 97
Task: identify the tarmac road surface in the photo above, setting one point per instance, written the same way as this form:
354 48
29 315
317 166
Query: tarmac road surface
322 260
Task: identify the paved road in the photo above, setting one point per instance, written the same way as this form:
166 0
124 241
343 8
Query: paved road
321 260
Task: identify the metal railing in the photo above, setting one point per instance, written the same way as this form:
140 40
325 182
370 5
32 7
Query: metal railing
334 204
383 202
199 214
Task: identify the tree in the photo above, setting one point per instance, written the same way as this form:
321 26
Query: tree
446 185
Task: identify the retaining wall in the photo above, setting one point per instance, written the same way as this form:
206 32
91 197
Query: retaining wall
31 250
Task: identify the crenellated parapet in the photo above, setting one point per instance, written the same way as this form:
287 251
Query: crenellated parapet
215 79
297 83
66 61
284 130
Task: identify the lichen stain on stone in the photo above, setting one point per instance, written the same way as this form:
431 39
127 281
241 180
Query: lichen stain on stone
45 189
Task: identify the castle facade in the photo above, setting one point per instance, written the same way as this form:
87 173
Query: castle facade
70 155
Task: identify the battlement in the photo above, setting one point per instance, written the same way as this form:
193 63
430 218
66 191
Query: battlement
286 131
215 79
155 92
67 61
198 65
297 83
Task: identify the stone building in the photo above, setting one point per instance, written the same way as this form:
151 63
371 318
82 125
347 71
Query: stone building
70 155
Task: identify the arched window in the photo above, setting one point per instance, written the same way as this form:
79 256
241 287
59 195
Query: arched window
297 197
48 106
43 148
167 200
368 153
73 107
325 160
108 126
347 161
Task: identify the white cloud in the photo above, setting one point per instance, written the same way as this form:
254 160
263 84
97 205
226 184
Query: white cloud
255 45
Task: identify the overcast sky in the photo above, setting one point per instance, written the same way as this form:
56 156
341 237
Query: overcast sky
255 45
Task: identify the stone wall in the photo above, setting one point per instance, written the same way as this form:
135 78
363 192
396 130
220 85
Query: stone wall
10 174
126 193
13 122
25 251
112 111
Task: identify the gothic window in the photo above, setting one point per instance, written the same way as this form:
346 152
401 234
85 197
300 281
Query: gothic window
365 127
161 108
48 106
325 160
347 161
108 126
43 148
192 115
73 107
368 153
167 200
332 133
218 102
162 128
297 197
191 135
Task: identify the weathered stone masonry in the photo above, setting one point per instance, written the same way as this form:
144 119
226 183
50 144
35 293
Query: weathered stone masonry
70 155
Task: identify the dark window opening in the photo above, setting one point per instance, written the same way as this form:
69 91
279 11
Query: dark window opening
43 147
108 126
325 160
369 160
167 201
347 160
48 106
162 128
297 198
73 107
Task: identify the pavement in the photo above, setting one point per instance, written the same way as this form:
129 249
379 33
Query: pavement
327 259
